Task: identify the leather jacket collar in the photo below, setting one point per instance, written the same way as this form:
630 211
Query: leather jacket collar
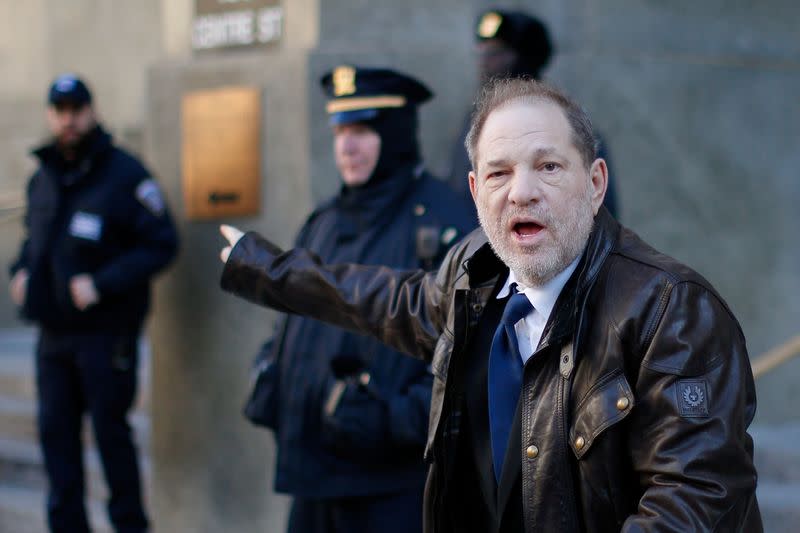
483 268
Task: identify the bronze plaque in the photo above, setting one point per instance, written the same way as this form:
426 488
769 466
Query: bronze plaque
221 152
236 23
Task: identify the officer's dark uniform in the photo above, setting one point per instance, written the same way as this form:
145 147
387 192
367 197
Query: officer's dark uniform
101 214
350 414
529 38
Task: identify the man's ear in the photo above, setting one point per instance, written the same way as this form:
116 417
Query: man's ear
598 174
473 187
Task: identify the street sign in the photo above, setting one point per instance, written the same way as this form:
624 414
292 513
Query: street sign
236 24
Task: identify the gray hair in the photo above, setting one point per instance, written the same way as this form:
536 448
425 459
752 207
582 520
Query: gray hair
502 91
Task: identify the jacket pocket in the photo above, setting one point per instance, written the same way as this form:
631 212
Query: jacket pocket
606 405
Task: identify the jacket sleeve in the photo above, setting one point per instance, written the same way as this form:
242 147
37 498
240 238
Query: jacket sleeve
23 260
404 309
154 240
695 398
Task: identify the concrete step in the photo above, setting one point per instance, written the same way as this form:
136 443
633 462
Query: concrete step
777 452
780 506
17 418
23 487
22 510
17 375
18 421
777 460
17 366
21 464
23 482
17 340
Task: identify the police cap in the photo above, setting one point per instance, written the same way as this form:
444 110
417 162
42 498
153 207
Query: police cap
359 94
527 35
68 88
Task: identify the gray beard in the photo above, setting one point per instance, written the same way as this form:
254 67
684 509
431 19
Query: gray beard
537 266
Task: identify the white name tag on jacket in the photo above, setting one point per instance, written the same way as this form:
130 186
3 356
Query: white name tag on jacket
86 226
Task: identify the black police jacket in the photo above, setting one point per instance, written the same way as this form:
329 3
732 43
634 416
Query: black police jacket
351 414
634 409
103 215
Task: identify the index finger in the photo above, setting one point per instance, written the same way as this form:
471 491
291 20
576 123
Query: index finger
231 233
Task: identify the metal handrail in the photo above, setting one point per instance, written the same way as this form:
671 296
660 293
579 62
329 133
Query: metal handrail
11 217
11 200
11 207
10 211
776 357
12 197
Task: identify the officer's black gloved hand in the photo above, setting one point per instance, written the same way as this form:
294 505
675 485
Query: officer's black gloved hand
354 415
346 365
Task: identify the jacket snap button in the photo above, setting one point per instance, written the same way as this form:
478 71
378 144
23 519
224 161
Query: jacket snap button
532 451
580 442
623 403
477 308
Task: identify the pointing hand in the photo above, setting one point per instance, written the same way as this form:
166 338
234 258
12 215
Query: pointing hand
19 286
232 235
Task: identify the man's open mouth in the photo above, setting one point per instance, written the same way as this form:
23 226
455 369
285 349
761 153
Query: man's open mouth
526 228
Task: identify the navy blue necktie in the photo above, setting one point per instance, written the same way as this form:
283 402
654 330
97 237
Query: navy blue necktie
505 376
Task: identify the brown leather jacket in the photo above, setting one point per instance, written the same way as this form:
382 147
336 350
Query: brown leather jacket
635 419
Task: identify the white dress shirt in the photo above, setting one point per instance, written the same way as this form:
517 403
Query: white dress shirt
529 330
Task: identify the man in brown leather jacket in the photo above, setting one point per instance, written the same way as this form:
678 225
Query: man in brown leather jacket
627 375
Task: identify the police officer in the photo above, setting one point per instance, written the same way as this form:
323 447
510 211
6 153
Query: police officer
509 44
350 414
97 230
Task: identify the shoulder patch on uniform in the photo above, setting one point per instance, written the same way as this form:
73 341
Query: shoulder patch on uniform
692 397
149 194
